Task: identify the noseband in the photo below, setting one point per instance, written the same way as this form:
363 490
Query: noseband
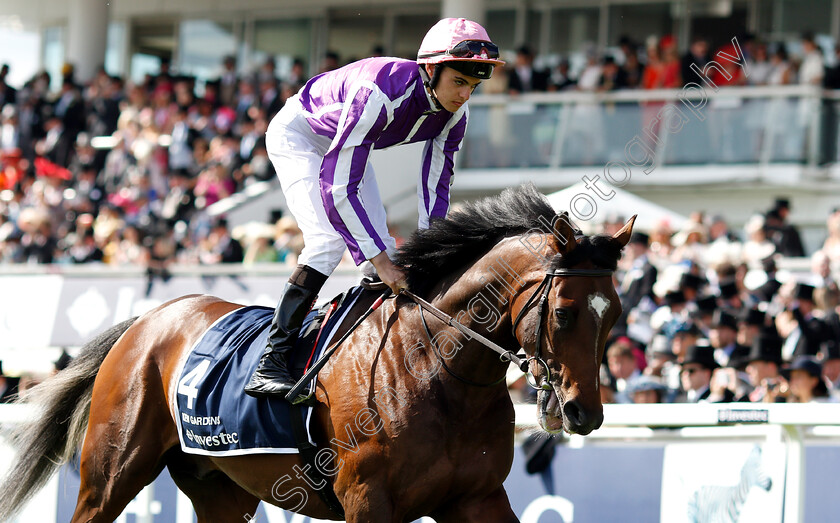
521 361
543 289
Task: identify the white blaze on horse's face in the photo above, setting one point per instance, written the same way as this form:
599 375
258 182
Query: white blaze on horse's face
598 304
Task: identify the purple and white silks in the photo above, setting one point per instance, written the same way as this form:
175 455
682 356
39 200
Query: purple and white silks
371 104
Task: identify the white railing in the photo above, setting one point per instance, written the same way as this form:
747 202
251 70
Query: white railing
789 424
696 125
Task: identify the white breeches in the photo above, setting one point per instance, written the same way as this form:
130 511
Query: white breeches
296 153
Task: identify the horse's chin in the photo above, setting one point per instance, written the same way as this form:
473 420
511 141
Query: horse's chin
550 411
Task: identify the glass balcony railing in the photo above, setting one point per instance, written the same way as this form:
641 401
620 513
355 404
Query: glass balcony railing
746 125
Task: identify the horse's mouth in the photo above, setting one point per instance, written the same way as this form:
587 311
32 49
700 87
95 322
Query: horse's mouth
550 411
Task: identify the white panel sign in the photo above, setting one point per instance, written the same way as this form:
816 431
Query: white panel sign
28 306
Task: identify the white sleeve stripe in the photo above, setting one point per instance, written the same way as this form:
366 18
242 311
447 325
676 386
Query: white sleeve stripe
439 158
435 171
341 176
323 110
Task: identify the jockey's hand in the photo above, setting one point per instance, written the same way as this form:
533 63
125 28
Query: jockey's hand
391 275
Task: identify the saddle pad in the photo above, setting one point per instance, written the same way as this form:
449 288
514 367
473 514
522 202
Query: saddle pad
215 417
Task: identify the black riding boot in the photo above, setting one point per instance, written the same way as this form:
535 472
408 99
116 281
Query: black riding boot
272 377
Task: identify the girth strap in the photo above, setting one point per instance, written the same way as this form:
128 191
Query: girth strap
307 453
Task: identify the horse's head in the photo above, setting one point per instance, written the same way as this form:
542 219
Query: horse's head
554 289
569 331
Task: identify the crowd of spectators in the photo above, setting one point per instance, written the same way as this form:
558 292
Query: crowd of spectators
709 317
139 196
658 64
699 324
122 174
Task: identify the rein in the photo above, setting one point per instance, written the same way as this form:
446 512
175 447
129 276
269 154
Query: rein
507 356
504 355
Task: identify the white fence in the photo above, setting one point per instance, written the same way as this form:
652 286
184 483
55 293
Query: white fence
689 435
791 425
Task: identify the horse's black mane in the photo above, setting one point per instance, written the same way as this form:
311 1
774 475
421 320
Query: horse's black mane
471 231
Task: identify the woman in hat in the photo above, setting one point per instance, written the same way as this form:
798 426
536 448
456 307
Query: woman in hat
647 389
805 380
319 144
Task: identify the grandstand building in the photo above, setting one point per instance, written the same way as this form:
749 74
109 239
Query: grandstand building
742 149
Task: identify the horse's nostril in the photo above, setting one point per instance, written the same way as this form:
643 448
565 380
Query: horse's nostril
581 420
573 413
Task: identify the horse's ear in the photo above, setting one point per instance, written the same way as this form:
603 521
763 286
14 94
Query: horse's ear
563 235
623 236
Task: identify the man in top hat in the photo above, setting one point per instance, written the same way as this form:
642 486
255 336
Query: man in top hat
696 375
729 295
659 355
690 285
671 311
667 351
750 323
782 233
704 309
810 331
723 337
639 279
684 336
766 291
763 363
636 284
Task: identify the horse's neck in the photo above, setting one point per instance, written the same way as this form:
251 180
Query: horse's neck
481 300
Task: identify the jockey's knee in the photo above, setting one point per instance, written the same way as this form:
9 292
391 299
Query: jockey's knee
323 261
308 277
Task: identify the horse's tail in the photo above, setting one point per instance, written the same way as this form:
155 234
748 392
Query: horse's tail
54 435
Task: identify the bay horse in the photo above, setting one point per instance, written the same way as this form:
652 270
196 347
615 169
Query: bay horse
439 443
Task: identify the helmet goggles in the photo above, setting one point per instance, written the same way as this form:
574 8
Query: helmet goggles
469 49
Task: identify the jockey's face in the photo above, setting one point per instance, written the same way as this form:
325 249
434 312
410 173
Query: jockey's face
453 88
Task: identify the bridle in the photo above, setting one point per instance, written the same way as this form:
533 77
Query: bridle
520 360
543 290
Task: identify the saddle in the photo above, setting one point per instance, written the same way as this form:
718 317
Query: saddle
316 326
214 416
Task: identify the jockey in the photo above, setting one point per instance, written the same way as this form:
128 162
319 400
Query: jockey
319 144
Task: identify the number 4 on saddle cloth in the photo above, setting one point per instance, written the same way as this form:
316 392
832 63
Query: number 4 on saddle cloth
215 417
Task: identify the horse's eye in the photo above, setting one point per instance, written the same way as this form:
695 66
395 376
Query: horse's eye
565 317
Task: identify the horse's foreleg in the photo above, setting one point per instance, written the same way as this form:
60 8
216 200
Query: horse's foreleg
494 508
366 503
215 498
